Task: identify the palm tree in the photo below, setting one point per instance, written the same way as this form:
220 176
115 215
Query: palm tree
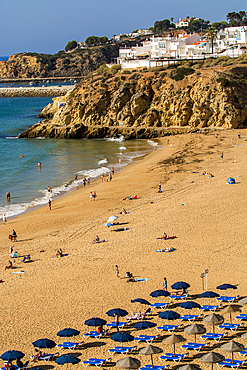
172 19
211 36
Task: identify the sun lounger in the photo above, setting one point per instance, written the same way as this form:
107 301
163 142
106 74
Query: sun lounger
189 318
177 296
47 356
154 367
243 353
138 315
145 338
208 308
226 299
26 258
194 346
235 364
69 345
171 357
114 325
96 361
159 305
242 316
122 350
95 335
228 326
211 336
169 328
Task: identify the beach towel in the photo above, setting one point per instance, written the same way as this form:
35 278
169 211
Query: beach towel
18 272
170 237
141 279
123 229
166 250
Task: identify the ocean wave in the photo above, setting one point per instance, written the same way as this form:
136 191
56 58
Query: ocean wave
11 137
122 148
151 142
95 172
103 161
119 139
40 138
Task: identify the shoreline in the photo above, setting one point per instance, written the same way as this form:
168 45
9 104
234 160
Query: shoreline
202 212
79 185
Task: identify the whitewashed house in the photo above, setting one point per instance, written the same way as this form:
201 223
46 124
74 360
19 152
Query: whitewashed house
183 23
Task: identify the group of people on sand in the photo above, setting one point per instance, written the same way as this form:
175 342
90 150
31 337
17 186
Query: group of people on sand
8 365
93 195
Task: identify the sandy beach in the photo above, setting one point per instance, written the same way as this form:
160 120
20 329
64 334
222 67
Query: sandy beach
207 216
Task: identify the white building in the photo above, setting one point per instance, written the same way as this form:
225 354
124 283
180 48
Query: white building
183 23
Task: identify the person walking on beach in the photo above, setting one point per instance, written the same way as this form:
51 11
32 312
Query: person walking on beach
165 284
49 204
117 271
94 195
8 195
221 156
4 218
112 171
117 321
91 196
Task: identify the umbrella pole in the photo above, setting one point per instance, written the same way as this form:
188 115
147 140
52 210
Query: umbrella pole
195 338
212 365
174 348
213 329
230 318
232 357
152 361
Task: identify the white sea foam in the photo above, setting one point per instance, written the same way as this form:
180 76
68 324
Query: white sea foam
11 137
122 148
94 173
119 139
103 161
151 142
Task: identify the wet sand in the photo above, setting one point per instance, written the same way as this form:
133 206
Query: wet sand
207 216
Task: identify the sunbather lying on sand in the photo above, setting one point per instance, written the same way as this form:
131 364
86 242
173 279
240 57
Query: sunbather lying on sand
122 229
130 197
123 212
165 236
97 240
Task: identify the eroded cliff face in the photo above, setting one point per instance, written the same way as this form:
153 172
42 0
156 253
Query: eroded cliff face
20 65
142 104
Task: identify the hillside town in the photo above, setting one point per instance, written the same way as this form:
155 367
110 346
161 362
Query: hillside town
155 51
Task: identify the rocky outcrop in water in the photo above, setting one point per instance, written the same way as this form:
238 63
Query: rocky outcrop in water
147 104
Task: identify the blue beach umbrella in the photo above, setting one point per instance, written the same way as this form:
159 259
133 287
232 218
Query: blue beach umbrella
44 343
169 315
122 336
159 293
141 301
179 285
209 294
95 321
68 332
117 311
189 305
108 224
231 180
144 325
12 355
226 286
67 359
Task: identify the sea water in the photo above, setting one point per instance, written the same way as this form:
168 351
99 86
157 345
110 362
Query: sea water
61 159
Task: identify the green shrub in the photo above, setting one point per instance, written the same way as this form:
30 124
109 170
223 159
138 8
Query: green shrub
223 81
179 73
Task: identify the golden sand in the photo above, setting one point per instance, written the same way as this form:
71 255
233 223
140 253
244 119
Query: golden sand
207 215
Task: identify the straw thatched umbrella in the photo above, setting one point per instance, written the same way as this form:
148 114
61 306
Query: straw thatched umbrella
213 319
195 329
243 301
212 358
244 336
189 367
173 339
150 350
231 308
128 363
232 346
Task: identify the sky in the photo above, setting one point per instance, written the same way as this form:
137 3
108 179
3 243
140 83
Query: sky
46 26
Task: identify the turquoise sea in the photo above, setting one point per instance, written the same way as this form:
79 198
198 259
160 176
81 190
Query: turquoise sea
60 159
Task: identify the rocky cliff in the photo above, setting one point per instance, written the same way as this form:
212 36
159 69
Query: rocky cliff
77 63
146 104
